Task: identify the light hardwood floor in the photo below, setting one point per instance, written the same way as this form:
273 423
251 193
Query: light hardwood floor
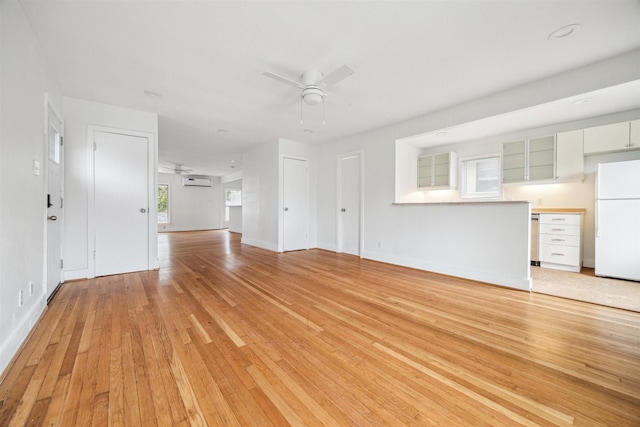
226 334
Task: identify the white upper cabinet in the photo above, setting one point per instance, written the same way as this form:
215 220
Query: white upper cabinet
634 134
514 161
529 160
542 154
437 171
611 137
570 155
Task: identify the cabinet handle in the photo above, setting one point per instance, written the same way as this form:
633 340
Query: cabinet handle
556 254
558 219
557 229
557 240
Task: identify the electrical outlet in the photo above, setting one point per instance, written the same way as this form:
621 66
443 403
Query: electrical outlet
20 298
30 288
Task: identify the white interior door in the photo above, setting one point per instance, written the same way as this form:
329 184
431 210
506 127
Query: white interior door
121 203
349 205
295 216
54 202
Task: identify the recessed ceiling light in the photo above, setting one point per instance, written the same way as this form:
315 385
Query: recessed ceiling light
152 94
581 101
563 32
442 133
223 130
308 131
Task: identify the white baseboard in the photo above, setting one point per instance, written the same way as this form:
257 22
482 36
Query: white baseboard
260 244
169 229
75 274
589 262
491 277
327 246
19 332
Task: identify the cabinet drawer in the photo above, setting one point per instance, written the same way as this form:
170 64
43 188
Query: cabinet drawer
560 229
567 255
559 239
560 219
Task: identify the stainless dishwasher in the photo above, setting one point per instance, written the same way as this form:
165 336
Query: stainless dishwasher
535 233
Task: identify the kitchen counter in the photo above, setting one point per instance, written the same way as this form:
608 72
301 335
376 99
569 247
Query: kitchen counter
559 210
465 202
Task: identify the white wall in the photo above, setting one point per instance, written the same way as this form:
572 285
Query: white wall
262 192
79 115
260 196
480 241
192 208
24 78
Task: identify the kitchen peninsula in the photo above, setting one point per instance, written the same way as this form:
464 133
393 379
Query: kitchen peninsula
488 241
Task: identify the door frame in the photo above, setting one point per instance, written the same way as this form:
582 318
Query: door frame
281 200
49 104
152 196
339 159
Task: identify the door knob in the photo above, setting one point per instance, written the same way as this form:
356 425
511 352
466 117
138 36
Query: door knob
286 209
343 210
142 210
52 218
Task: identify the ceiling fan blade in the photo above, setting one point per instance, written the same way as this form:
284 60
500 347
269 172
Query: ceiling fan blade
333 78
284 80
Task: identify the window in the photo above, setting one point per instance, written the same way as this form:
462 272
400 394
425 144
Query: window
163 203
233 198
480 177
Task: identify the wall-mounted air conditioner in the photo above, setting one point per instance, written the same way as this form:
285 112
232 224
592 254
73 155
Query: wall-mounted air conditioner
196 182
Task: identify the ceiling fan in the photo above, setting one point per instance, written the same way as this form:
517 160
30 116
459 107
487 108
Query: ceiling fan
177 168
313 83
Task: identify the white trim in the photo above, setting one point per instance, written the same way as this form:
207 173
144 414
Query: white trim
479 196
339 159
260 244
20 332
76 274
152 161
521 283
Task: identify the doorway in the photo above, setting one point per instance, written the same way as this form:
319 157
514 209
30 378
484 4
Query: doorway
350 203
295 215
121 200
54 202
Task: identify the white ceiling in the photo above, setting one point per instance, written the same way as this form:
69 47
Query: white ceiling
623 97
410 58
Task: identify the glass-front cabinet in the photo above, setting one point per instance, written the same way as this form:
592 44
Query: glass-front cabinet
514 162
436 171
529 160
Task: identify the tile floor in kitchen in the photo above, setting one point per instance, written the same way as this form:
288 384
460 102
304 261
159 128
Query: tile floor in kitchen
586 286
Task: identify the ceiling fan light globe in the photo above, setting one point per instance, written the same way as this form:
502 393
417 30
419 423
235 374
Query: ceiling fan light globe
312 96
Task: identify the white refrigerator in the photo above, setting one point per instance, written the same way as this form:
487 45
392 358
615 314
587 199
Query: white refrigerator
618 220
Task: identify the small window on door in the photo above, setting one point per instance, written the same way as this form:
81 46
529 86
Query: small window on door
163 203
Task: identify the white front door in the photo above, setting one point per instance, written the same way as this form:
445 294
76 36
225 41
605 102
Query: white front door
121 203
54 202
295 216
349 205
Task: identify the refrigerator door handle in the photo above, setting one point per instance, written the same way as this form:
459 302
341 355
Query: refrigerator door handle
597 219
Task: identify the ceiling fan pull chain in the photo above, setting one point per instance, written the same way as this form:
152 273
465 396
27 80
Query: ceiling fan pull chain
301 110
